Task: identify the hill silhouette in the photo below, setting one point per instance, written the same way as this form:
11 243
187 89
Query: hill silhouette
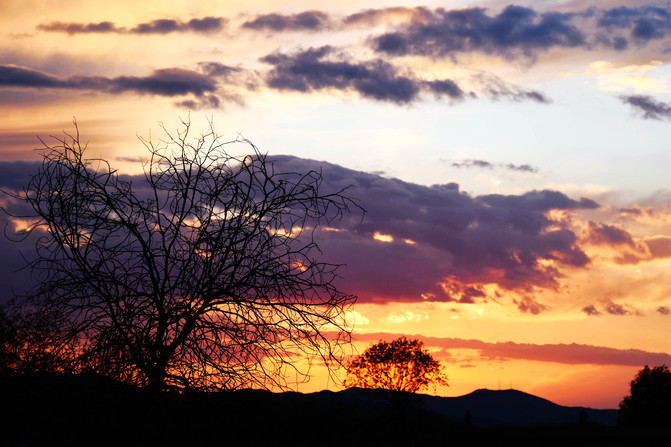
513 408
488 408
66 410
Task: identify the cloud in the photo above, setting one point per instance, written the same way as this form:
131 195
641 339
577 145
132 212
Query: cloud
463 248
496 89
591 310
522 168
615 309
162 82
515 31
462 244
304 21
321 68
80 28
644 23
371 17
518 31
611 308
663 310
604 234
647 106
626 249
659 247
158 26
530 305
570 354
475 163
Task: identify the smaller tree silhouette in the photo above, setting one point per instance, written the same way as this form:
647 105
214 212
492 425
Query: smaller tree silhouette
402 365
29 344
648 403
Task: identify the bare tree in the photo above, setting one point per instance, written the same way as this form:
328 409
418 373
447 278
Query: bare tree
201 274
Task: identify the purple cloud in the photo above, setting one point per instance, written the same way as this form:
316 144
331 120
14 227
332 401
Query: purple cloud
516 30
304 21
316 69
591 310
441 242
604 234
80 28
484 164
570 354
164 82
648 106
158 26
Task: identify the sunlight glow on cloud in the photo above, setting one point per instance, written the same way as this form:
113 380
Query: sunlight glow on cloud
383 237
406 317
631 77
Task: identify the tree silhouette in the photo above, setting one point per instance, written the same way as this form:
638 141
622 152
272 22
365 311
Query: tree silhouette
648 403
402 366
202 274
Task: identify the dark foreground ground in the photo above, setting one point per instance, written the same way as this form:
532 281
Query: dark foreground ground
76 411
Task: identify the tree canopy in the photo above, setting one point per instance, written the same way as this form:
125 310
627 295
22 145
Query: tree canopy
648 403
200 273
402 365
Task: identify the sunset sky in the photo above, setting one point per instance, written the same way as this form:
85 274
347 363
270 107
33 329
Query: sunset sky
513 159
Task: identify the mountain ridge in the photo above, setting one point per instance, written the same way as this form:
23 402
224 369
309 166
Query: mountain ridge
487 407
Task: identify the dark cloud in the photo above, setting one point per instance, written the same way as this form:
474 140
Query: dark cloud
16 174
165 26
663 310
475 163
219 69
80 28
163 82
643 23
206 24
591 310
522 168
446 245
515 31
615 309
158 26
529 305
648 107
604 234
444 87
200 103
569 354
304 21
660 247
321 68
496 89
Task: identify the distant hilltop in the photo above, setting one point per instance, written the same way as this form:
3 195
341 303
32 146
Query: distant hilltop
512 407
488 408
